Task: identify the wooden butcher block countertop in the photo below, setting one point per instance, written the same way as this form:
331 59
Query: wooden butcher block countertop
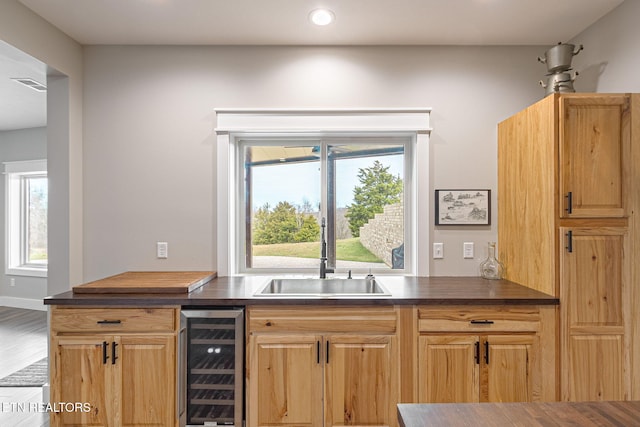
148 282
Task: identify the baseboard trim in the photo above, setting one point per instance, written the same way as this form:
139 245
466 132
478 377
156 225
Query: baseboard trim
27 303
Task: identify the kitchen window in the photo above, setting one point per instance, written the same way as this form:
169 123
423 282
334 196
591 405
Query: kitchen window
26 202
279 172
357 184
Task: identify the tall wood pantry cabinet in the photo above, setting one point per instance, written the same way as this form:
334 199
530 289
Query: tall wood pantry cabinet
568 205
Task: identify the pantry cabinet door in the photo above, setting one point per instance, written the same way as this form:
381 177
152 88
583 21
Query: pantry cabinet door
594 151
595 287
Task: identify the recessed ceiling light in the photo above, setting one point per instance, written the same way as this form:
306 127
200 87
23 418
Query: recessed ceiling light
29 82
322 17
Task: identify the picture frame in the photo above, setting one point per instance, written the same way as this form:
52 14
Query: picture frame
463 207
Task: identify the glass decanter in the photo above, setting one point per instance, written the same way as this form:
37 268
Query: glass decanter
491 268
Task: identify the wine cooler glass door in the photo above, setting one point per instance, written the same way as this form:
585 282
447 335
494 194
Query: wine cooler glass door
214 365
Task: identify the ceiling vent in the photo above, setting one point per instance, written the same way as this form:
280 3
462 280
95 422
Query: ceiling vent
31 83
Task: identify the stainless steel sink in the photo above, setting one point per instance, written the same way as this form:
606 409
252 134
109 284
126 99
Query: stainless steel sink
322 288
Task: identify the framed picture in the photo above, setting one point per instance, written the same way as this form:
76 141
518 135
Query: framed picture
463 207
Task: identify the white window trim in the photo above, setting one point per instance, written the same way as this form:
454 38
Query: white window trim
12 249
234 123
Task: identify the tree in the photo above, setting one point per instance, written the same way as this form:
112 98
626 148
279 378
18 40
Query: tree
284 224
379 188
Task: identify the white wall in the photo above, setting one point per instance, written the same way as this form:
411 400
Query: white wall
18 145
148 139
148 116
610 61
23 29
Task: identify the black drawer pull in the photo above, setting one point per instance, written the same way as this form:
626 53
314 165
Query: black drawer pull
109 322
477 356
569 208
104 352
486 352
481 322
113 353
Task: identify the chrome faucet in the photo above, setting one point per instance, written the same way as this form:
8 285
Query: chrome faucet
323 254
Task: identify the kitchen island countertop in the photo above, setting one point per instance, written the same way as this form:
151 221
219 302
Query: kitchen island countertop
239 291
535 414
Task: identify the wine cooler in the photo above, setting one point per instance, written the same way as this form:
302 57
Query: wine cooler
212 368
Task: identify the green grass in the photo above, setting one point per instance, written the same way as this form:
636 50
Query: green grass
348 250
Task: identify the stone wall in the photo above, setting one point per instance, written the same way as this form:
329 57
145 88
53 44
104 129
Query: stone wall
384 232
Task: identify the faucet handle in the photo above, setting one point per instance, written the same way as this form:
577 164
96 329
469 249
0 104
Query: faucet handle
349 276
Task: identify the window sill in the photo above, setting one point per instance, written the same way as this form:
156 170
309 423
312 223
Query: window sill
26 271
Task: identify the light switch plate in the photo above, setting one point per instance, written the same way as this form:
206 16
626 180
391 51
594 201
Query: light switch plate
467 250
438 250
162 250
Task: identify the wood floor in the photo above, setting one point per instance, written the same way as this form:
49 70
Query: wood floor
23 334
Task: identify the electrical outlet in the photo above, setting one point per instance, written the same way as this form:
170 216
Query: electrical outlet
12 281
467 250
438 250
162 250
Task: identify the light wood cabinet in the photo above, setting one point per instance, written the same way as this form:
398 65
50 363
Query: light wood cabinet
568 225
594 277
284 385
594 141
122 362
483 355
322 366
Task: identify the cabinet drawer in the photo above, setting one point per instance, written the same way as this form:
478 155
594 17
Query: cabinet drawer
113 319
311 319
478 320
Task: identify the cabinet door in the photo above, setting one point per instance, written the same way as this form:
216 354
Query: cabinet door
81 372
361 380
594 141
146 375
285 380
509 367
594 285
596 368
448 369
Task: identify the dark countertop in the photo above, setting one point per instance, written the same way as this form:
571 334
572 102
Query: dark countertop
537 414
239 291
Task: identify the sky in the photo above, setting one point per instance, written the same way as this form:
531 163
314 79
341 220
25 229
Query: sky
297 182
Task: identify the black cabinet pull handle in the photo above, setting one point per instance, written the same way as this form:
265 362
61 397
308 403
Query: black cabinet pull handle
569 198
327 351
113 353
481 322
569 246
318 352
104 352
486 352
477 356
109 322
